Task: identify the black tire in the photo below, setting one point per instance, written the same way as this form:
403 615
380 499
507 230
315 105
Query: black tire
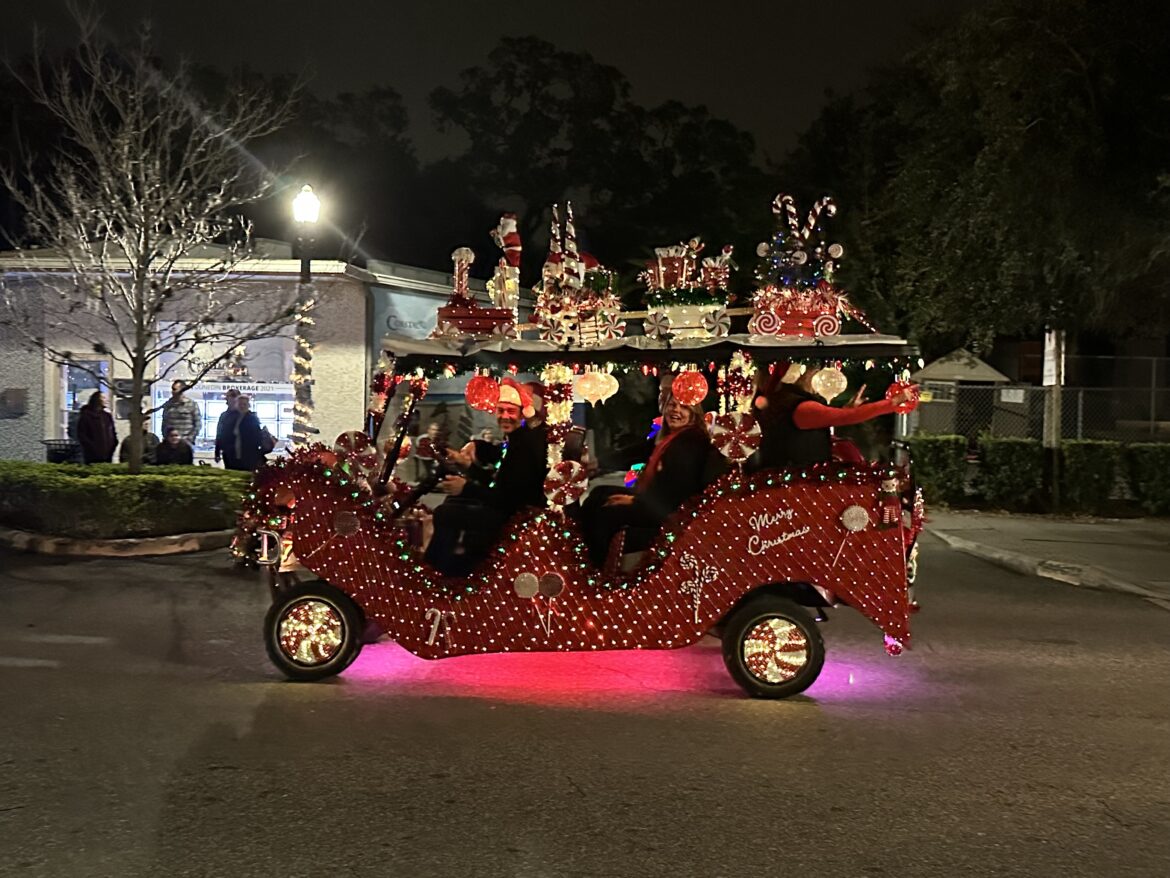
333 612
758 621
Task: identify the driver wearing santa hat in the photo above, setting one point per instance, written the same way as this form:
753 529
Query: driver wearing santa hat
477 511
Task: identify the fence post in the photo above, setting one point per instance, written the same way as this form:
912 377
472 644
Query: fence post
1054 410
1153 396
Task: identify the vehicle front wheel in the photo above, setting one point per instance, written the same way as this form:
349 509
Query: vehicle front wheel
772 647
312 631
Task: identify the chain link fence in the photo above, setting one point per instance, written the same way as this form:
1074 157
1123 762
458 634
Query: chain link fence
1091 406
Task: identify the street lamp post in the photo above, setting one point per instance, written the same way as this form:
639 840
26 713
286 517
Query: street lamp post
306 210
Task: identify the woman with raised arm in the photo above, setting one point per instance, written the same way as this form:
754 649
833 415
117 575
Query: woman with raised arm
797 424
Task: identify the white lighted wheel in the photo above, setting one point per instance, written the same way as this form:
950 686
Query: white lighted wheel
772 647
775 651
312 631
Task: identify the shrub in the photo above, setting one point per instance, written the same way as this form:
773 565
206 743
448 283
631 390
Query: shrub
1088 472
1011 472
104 501
940 467
1148 465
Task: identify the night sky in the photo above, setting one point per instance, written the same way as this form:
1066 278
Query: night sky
765 66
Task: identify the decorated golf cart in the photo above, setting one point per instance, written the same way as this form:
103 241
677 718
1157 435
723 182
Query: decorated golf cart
753 559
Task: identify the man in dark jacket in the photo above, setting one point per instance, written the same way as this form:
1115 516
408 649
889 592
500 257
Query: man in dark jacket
225 443
95 431
246 438
479 511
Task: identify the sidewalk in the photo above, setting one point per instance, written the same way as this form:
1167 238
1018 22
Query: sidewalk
1131 556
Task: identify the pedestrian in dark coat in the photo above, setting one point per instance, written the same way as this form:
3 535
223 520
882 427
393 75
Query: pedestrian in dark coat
225 442
95 431
174 451
246 439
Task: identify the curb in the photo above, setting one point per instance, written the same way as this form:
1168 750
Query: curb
1080 575
44 544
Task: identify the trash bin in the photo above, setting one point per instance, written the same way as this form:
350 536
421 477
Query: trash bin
62 451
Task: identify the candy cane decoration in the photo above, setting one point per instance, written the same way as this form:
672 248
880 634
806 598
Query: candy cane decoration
786 204
439 618
825 205
700 576
573 267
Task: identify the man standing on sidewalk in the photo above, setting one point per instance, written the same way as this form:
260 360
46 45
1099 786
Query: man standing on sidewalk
225 435
182 414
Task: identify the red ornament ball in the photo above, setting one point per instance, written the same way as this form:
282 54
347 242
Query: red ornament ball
912 392
690 387
482 393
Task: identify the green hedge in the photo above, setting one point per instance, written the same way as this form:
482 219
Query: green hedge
940 467
104 501
1148 468
1011 473
1088 472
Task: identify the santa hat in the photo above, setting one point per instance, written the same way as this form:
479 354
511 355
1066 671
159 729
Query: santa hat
514 393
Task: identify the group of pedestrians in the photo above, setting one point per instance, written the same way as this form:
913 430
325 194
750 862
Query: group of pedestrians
240 441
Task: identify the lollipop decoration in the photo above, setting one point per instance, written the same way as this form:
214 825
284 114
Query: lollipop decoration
765 323
356 448
657 325
717 323
854 519
565 483
826 324
736 435
911 391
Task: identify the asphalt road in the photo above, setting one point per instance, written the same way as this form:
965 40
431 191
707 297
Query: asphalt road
142 732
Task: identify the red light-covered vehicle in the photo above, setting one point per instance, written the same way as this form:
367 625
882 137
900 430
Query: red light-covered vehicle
752 559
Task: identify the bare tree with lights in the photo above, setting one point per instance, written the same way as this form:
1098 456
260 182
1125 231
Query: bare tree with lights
147 180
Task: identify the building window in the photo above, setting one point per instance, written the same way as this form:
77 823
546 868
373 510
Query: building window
78 383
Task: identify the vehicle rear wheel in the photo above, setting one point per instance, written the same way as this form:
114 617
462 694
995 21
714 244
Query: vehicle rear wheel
772 647
312 631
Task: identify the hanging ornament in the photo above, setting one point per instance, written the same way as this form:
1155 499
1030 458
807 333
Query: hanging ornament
610 385
689 387
565 483
591 387
912 392
736 435
830 383
717 323
657 325
482 393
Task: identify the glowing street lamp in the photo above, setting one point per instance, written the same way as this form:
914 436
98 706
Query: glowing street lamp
306 210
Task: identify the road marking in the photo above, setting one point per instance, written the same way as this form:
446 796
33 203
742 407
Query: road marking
14 662
78 639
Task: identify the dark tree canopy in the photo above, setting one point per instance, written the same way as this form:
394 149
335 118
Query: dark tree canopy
1009 175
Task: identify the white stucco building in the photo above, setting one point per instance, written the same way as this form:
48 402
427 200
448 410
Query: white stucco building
356 307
